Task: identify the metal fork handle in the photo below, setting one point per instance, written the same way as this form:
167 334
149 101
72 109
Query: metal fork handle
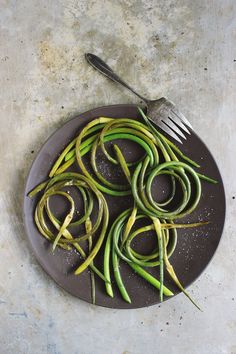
98 64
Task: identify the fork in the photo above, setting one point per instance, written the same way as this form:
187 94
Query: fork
161 112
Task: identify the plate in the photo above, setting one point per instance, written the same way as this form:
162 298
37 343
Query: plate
195 247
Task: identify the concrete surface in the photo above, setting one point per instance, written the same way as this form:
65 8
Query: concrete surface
182 49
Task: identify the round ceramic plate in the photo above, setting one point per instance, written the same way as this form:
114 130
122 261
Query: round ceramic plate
195 247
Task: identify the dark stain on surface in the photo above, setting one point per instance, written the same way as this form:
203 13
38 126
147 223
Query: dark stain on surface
18 314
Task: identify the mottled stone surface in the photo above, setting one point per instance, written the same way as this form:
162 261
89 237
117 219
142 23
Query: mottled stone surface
182 49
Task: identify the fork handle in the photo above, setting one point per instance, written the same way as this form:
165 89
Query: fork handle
98 64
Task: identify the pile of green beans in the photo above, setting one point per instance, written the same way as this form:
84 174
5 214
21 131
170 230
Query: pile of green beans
62 237
139 180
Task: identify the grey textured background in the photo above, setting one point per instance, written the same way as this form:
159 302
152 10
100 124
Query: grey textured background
182 49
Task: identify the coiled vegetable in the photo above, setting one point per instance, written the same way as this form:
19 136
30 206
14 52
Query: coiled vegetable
63 237
160 157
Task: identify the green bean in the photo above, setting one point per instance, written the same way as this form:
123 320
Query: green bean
140 130
206 178
122 163
115 235
99 175
118 278
88 228
151 207
61 157
88 200
173 275
113 238
185 186
98 245
109 138
148 277
129 225
107 251
130 253
157 227
65 223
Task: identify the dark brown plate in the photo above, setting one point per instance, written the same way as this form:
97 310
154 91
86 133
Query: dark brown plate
195 247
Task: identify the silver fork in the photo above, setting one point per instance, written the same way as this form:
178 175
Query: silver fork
162 111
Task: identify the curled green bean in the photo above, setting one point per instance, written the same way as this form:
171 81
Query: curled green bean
174 168
64 237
